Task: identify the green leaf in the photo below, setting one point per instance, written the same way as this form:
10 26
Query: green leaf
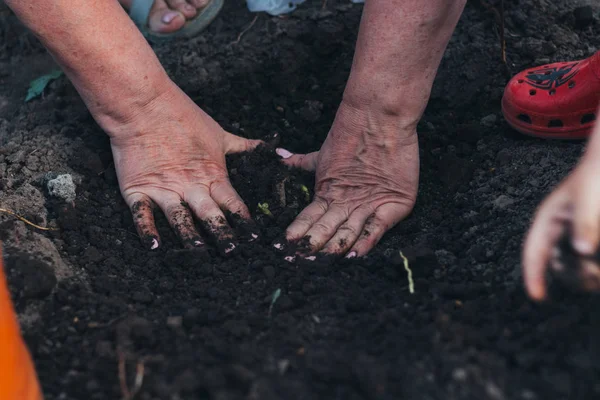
37 86
264 208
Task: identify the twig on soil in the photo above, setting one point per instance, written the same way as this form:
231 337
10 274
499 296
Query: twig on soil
411 283
274 298
280 189
4 210
499 14
242 33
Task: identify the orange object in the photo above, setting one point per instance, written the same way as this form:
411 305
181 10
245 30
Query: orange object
18 380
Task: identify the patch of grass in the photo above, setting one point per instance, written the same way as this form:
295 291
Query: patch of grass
411 283
274 298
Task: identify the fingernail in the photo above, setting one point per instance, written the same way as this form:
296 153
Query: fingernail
154 245
278 246
352 254
254 237
583 247
199 243
310 258
229 248
189 7
283 153
168 17
290 259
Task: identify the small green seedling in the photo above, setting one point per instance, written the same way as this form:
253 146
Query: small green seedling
411 283
306 192
37 86
264 208
274 298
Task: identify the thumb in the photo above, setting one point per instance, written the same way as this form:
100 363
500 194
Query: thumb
303 161
236 144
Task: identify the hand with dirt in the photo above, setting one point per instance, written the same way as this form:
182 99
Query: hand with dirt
167 151
367 171
574 204
367 174
174 157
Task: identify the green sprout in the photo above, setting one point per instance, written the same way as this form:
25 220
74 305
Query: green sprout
411 283
274 298
264 208
306 192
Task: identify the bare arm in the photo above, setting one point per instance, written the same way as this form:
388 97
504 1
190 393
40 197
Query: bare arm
101 51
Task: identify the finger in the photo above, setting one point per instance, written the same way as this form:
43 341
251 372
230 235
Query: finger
305 220
199 3
212 219
236 210
325 227
182 6
236 144
586 213
303 161
228 199
589 275
383 219
142 209
181 220
540 241
348 233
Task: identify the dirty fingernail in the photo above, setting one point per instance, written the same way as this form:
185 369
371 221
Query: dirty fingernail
283 153
352 254
154 244
253 237
279 246
230 247
198 243
310 258
583 247
290 258
168 17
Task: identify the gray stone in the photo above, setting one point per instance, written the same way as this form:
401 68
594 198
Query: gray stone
503 201
63 187
489 120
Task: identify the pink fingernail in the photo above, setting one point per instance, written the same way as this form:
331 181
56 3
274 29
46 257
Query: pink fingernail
154 244
230 248
290 259
278 246
310 258
199 243
583 247
283 153
168 17
352 254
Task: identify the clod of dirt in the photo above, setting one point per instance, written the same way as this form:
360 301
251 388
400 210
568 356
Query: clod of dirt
34 279
63 187
584 16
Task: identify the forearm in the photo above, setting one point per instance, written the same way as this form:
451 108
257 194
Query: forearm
400 46
100 50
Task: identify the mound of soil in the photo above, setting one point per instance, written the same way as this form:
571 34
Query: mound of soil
96 307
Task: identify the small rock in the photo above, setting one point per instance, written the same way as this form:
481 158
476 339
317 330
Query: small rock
489 120
63 187
175 321
584 16
459 374
92 254
503 201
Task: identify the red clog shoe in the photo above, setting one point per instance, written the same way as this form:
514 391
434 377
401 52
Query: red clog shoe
555 101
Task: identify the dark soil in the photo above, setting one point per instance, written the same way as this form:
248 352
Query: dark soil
204 326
